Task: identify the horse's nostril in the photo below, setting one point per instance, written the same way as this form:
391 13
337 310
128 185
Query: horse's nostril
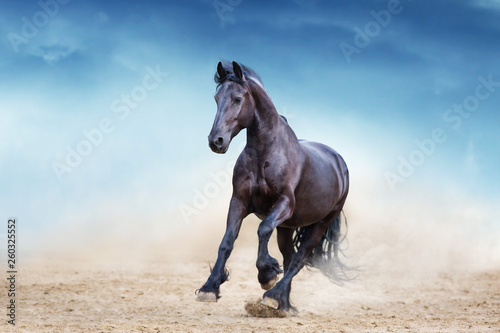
219 142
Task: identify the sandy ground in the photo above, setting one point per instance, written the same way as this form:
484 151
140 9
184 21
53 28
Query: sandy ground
66 294
412 278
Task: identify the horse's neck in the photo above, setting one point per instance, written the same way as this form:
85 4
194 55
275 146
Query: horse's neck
267 128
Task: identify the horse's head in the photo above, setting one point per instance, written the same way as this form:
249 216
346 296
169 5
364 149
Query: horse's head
235 107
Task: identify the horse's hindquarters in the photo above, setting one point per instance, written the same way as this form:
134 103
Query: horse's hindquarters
323 186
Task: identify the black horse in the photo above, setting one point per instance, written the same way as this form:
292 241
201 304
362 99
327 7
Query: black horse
293 186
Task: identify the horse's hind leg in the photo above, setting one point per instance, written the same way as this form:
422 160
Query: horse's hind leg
279 296
285 244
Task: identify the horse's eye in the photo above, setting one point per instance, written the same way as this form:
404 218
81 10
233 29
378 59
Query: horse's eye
237 99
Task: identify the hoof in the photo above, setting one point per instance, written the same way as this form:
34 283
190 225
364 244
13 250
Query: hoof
270 302
270 284
204 296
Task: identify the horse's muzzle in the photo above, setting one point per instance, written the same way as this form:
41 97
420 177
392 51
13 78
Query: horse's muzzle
218 145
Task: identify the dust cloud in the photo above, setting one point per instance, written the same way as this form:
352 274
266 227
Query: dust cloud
408 234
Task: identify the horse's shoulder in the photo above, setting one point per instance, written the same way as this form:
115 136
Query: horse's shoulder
243 171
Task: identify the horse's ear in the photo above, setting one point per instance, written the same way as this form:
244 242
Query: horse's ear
221 71
237 71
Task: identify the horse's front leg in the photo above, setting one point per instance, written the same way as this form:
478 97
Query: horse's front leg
210 290
268 267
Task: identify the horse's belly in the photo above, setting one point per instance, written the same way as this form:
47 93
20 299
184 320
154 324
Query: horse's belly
313 209
309 208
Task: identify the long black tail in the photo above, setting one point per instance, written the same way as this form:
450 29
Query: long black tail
325 256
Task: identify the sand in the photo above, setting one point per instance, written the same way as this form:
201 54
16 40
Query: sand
149 295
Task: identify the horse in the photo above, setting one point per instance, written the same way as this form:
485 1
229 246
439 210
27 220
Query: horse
293 186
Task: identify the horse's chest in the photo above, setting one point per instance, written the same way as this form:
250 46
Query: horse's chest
265 189
262 203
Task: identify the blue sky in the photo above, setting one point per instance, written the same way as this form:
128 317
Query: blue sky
77 69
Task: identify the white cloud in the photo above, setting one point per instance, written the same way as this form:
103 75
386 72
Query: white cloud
53 54
58 41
